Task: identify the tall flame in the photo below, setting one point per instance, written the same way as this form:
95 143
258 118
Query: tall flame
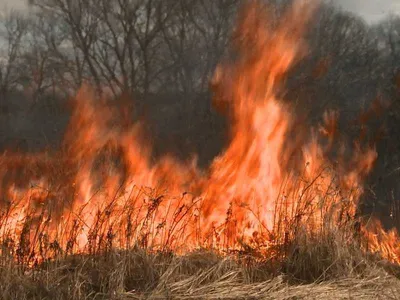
101 189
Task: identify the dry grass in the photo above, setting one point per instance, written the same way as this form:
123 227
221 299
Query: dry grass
136 274
324 263
312 266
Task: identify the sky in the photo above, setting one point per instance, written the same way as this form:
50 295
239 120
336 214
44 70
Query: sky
12 4
371 10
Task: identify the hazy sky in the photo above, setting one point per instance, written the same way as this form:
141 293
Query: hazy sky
12 3
372 10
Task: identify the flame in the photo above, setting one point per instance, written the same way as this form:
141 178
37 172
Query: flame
382 242
102 189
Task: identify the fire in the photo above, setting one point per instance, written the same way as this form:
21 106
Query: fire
382 242
102 190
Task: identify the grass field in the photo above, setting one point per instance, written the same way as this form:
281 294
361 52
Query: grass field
136 274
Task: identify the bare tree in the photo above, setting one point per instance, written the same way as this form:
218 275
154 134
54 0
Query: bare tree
196 38
117 40
12 31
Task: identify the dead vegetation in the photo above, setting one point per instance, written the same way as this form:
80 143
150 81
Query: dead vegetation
328 264
136 274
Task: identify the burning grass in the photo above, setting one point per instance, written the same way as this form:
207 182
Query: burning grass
99 218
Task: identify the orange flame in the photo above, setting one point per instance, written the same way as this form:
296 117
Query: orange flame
103 190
